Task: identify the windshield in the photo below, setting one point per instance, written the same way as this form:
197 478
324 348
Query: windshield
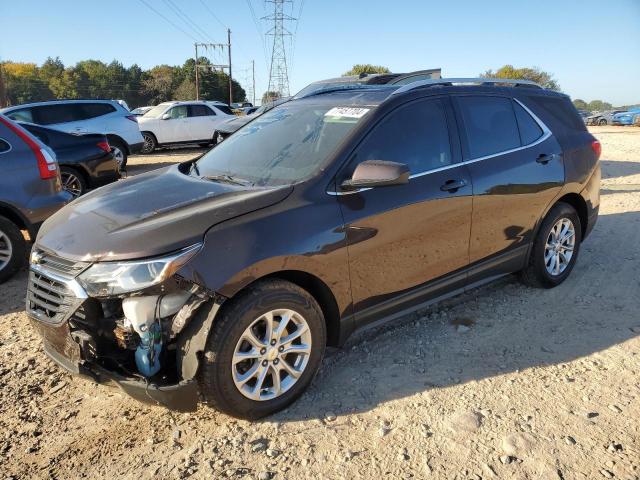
285 145
156 111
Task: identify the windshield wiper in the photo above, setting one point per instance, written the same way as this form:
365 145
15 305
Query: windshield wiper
227 179
194 168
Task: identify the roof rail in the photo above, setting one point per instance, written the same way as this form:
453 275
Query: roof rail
450 81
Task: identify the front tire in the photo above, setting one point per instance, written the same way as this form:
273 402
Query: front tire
264 350
555 248
150 143
602 122
12 248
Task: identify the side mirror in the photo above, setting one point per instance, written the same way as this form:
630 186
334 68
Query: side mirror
377 173
166 116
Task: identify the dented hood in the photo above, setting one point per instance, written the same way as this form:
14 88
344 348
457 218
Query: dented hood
147 215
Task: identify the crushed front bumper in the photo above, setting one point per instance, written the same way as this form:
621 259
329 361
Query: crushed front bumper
66 352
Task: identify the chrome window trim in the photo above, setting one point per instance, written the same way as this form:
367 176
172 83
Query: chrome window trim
8 143
546 133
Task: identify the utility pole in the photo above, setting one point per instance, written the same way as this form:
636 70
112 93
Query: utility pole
197 78
253 75
278 74
212 67
230 76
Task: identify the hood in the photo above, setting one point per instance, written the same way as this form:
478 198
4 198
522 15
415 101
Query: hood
148 215
235 123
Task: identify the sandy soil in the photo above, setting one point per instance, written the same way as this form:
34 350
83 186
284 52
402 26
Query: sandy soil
534 384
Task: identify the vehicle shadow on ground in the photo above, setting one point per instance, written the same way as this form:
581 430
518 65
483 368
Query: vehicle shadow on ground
617 169
512 328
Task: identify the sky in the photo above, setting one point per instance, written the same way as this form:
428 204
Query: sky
592 47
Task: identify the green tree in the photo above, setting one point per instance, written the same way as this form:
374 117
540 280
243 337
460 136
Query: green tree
360 68
599 106
268 97
580 104
23 83
535 74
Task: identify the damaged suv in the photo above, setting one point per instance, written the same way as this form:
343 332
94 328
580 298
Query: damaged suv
222 280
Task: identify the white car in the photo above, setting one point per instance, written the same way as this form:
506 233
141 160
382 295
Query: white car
138 112
107 117
173 123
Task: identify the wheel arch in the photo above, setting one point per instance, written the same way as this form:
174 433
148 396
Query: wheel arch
319 290
113 136
12 214
580 205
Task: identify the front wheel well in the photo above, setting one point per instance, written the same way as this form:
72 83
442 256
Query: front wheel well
10 214
321 293
580 205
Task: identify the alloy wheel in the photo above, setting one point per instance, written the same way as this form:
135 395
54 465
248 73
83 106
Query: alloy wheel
271 355
71 183
558 250
6 250
118 155
148 145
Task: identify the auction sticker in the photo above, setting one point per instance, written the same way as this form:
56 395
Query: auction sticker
347 112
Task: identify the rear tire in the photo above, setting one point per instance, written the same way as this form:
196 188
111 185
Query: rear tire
241 329
73 181
119 151
554 253
12 248
602 122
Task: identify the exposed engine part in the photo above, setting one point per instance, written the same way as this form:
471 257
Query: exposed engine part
125 337
143 314
87 344
185 314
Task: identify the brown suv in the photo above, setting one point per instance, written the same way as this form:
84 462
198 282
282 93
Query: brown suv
224 278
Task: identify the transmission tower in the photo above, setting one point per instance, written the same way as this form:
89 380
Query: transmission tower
278 74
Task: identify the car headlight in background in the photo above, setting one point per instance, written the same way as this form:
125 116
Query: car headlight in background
115 278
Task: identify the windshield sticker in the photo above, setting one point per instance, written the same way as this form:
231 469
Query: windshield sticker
347 112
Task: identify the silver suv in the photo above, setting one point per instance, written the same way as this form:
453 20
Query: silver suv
107 117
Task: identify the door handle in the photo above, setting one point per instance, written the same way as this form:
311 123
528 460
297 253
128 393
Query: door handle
453 185
544 158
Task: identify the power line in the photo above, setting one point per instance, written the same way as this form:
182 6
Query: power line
213 14
256 23
167 20
187 21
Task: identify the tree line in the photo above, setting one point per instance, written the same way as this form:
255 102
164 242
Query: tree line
29 82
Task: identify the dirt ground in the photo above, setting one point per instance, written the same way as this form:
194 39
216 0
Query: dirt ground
506 382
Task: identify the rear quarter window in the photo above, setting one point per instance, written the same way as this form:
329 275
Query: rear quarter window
22 115
489 123
93 110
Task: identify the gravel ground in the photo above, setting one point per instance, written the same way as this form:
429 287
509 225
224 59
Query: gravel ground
506 382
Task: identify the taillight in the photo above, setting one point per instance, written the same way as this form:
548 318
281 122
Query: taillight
47 165
597 148
132 118
104 146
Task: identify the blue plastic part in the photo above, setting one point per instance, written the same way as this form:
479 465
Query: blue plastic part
148 352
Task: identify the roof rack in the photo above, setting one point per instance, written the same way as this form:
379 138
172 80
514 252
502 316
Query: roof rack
481 81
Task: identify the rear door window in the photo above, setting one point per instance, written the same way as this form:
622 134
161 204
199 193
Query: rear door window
415 134
490 125
58 113
22 115
200 111
530 131
224 109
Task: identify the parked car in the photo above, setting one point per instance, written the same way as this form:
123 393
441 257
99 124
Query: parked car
231 125
140 111
107 117
85 161
175 123
602 118
584 114
224 277
30 191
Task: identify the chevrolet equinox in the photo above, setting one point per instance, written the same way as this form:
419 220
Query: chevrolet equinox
222 279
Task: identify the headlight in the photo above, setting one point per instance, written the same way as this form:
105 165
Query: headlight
114 278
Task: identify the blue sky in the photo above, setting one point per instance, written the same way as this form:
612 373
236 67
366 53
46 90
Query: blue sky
591 46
